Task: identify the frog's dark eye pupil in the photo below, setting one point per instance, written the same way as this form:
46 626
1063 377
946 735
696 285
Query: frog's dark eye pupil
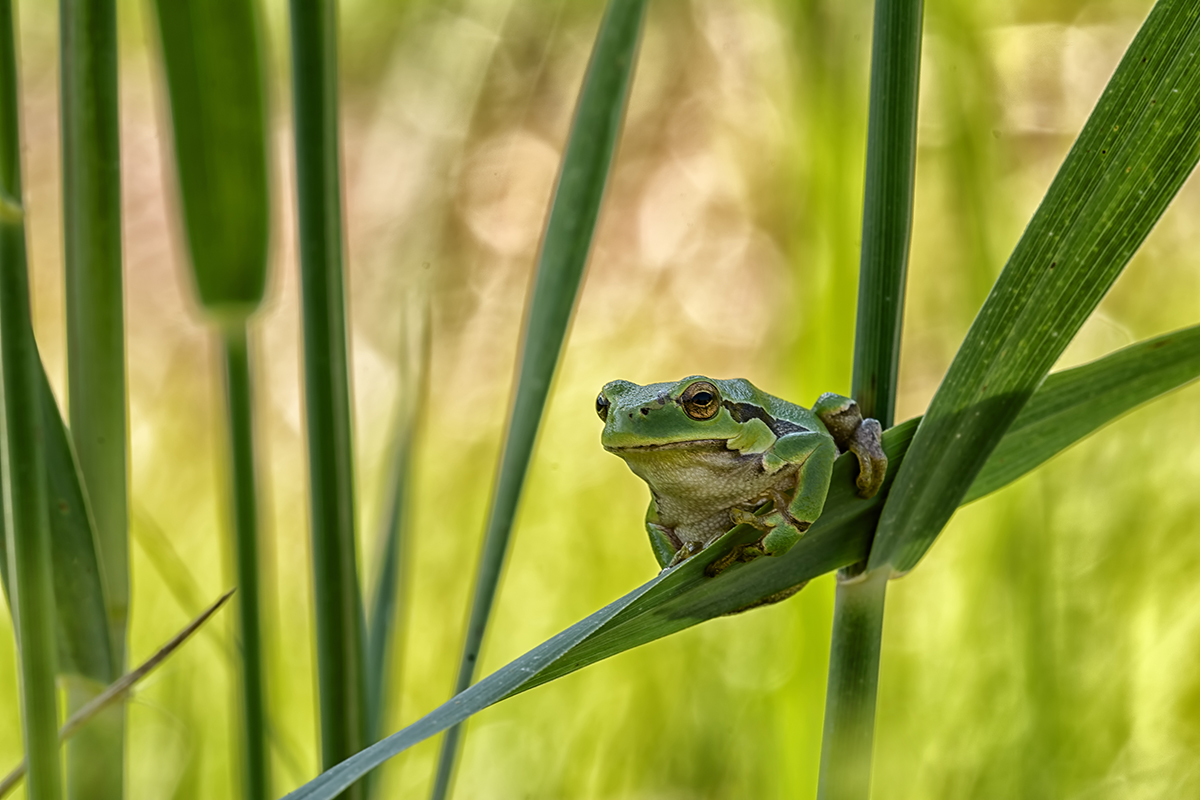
602 407
701 400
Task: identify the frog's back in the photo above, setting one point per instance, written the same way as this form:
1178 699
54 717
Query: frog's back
740 390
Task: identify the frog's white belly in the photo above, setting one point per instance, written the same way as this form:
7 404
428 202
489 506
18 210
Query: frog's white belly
695 486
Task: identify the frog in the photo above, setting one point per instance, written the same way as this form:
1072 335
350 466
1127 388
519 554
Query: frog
720 453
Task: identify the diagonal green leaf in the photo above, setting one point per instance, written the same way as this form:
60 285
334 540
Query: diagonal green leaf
1141 142
1073 404
219 133
684 596
565 247
84 646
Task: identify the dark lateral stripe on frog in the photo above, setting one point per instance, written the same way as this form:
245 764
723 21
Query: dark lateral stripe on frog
743 412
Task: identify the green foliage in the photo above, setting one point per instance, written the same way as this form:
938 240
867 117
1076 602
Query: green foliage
25 528
219 124
582 179
684 596
1140 143
341 649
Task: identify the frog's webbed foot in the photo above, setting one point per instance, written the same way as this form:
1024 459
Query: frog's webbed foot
863 437
780 531
685 551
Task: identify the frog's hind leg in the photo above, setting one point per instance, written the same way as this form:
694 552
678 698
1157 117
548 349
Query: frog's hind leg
863 437
789 519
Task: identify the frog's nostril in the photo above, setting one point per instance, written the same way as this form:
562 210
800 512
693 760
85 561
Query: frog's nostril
645 411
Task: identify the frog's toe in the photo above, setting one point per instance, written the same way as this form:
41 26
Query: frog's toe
867 446
686 551
781 538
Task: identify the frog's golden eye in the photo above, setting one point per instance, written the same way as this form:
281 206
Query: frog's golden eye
602 405
701 400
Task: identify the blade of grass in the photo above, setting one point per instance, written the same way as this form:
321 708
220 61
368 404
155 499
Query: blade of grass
118 689
567 241
84 646
1114 385
1140 143
96 344
23 490
218 116
848 737
389 584
244 489
340 654
219 132
684 596
27 556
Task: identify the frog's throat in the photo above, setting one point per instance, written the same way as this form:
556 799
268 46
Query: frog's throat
646 448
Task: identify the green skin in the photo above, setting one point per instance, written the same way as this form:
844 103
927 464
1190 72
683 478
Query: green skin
716 451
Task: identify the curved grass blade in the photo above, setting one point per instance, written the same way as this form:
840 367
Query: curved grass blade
23 492
118 689
1056 418
84 646
575 209
684 596
1140 144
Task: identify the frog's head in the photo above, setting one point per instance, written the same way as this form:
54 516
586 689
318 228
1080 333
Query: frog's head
693 411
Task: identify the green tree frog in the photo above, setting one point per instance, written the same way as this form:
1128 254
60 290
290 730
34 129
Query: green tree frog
716 451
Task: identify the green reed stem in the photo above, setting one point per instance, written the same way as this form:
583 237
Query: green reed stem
22 461
244 491
96 335
847 739
340 669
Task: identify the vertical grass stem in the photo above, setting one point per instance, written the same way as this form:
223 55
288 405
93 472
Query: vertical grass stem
244 491
847 740
22 461
340 668
96 338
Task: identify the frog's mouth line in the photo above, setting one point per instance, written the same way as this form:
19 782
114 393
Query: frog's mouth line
667 446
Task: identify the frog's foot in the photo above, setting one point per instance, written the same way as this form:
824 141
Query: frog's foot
685 551
867 446
863 437
780 532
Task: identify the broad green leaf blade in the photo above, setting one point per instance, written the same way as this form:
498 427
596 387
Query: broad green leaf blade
1073 404
573 214
341 674
84 646
684 596
215 81
1141 142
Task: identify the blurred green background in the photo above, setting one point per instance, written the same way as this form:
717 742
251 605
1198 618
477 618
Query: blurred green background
1043 649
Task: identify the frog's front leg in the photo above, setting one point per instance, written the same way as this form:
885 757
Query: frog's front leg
784 524
663 541
863 437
